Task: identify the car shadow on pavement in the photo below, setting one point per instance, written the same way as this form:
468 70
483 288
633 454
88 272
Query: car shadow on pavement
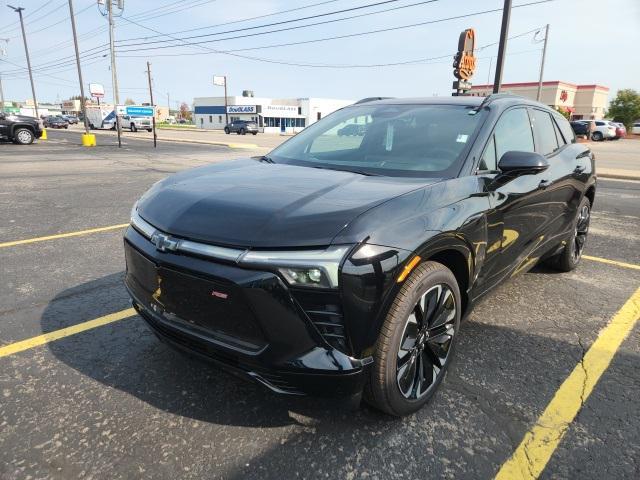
507 368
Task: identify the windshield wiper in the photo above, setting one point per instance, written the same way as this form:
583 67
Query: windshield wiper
266 159
359 172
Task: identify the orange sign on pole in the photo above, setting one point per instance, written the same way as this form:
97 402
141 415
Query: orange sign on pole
464 63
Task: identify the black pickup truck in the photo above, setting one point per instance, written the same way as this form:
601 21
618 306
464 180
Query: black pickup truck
20 129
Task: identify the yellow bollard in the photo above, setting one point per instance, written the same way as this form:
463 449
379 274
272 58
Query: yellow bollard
44 134
88 140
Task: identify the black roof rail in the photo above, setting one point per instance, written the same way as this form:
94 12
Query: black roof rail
495 96
371 99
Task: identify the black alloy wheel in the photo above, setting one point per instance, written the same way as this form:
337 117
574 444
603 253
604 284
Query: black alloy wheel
580 232
416 342
426 342
569 257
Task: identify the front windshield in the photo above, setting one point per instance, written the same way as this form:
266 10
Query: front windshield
393 140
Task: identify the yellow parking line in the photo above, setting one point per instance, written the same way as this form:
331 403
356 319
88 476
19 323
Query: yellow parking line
64 332
538 445
62 235
612 262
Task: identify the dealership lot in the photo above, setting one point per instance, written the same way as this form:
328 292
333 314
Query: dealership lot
113 402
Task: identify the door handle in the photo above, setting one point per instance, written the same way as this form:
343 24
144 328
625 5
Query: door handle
579 169
545 184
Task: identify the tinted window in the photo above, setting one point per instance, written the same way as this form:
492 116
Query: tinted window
600 124
565 128
513 133
489 160
545 134
396 140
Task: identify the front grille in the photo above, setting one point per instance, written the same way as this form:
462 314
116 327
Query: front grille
325 311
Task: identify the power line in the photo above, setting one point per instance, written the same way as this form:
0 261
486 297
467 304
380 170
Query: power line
234 21
336 12
324 39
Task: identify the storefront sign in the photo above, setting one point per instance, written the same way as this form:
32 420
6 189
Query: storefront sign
464 64
96 90
71 105
241 109
564 96
279 110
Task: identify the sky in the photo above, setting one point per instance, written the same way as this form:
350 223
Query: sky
590 41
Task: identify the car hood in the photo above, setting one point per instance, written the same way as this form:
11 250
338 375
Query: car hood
247 203
22 118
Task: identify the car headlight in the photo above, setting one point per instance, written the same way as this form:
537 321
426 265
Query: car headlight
306 268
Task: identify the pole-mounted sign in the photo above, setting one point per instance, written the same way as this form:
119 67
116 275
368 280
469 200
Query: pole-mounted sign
464 63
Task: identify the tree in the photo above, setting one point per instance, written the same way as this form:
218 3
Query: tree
184 111
564 111
625 107
129 101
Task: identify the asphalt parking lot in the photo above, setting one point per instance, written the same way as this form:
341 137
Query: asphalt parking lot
113 402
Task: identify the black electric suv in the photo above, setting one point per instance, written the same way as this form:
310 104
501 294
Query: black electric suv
341 265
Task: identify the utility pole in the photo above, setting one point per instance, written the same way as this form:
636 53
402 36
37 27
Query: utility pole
153 118
504 33
544 54
75 43
1 96
114 75
2 53
26 52
168 104
226 107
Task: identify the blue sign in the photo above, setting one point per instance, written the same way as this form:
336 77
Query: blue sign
140 111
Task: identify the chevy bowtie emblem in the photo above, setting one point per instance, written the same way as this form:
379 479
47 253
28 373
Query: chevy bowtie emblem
163 242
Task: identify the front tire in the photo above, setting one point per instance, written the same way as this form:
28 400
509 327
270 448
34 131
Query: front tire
416 341
227 131
597 137
23 136
569 257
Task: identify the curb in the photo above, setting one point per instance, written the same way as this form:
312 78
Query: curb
242 146
617 176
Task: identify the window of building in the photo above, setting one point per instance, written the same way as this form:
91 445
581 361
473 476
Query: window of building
210 118
545 133
201 121
299 110
319 115
219 118
513 133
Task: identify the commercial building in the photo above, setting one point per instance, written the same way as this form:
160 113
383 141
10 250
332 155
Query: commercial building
284 115
582 101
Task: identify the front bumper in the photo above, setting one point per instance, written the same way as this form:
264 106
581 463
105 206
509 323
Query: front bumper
247 321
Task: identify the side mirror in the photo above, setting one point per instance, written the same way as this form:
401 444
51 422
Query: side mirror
522 163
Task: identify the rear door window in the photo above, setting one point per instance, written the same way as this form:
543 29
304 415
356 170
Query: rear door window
545 133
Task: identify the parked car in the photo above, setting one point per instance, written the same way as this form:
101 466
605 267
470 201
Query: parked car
353 129
72 119
324 271
136 123
56 122
580 127
20 129
130 122
636 128
621 130
241 127
603 130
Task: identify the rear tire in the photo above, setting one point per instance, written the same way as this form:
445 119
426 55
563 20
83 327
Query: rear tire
416 341
227 131
569 257
133 128
23 136
597 137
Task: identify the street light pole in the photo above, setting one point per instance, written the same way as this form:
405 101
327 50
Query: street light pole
26 52
153 118
75 42
544 54
226 107
114 75
1 96
504 33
